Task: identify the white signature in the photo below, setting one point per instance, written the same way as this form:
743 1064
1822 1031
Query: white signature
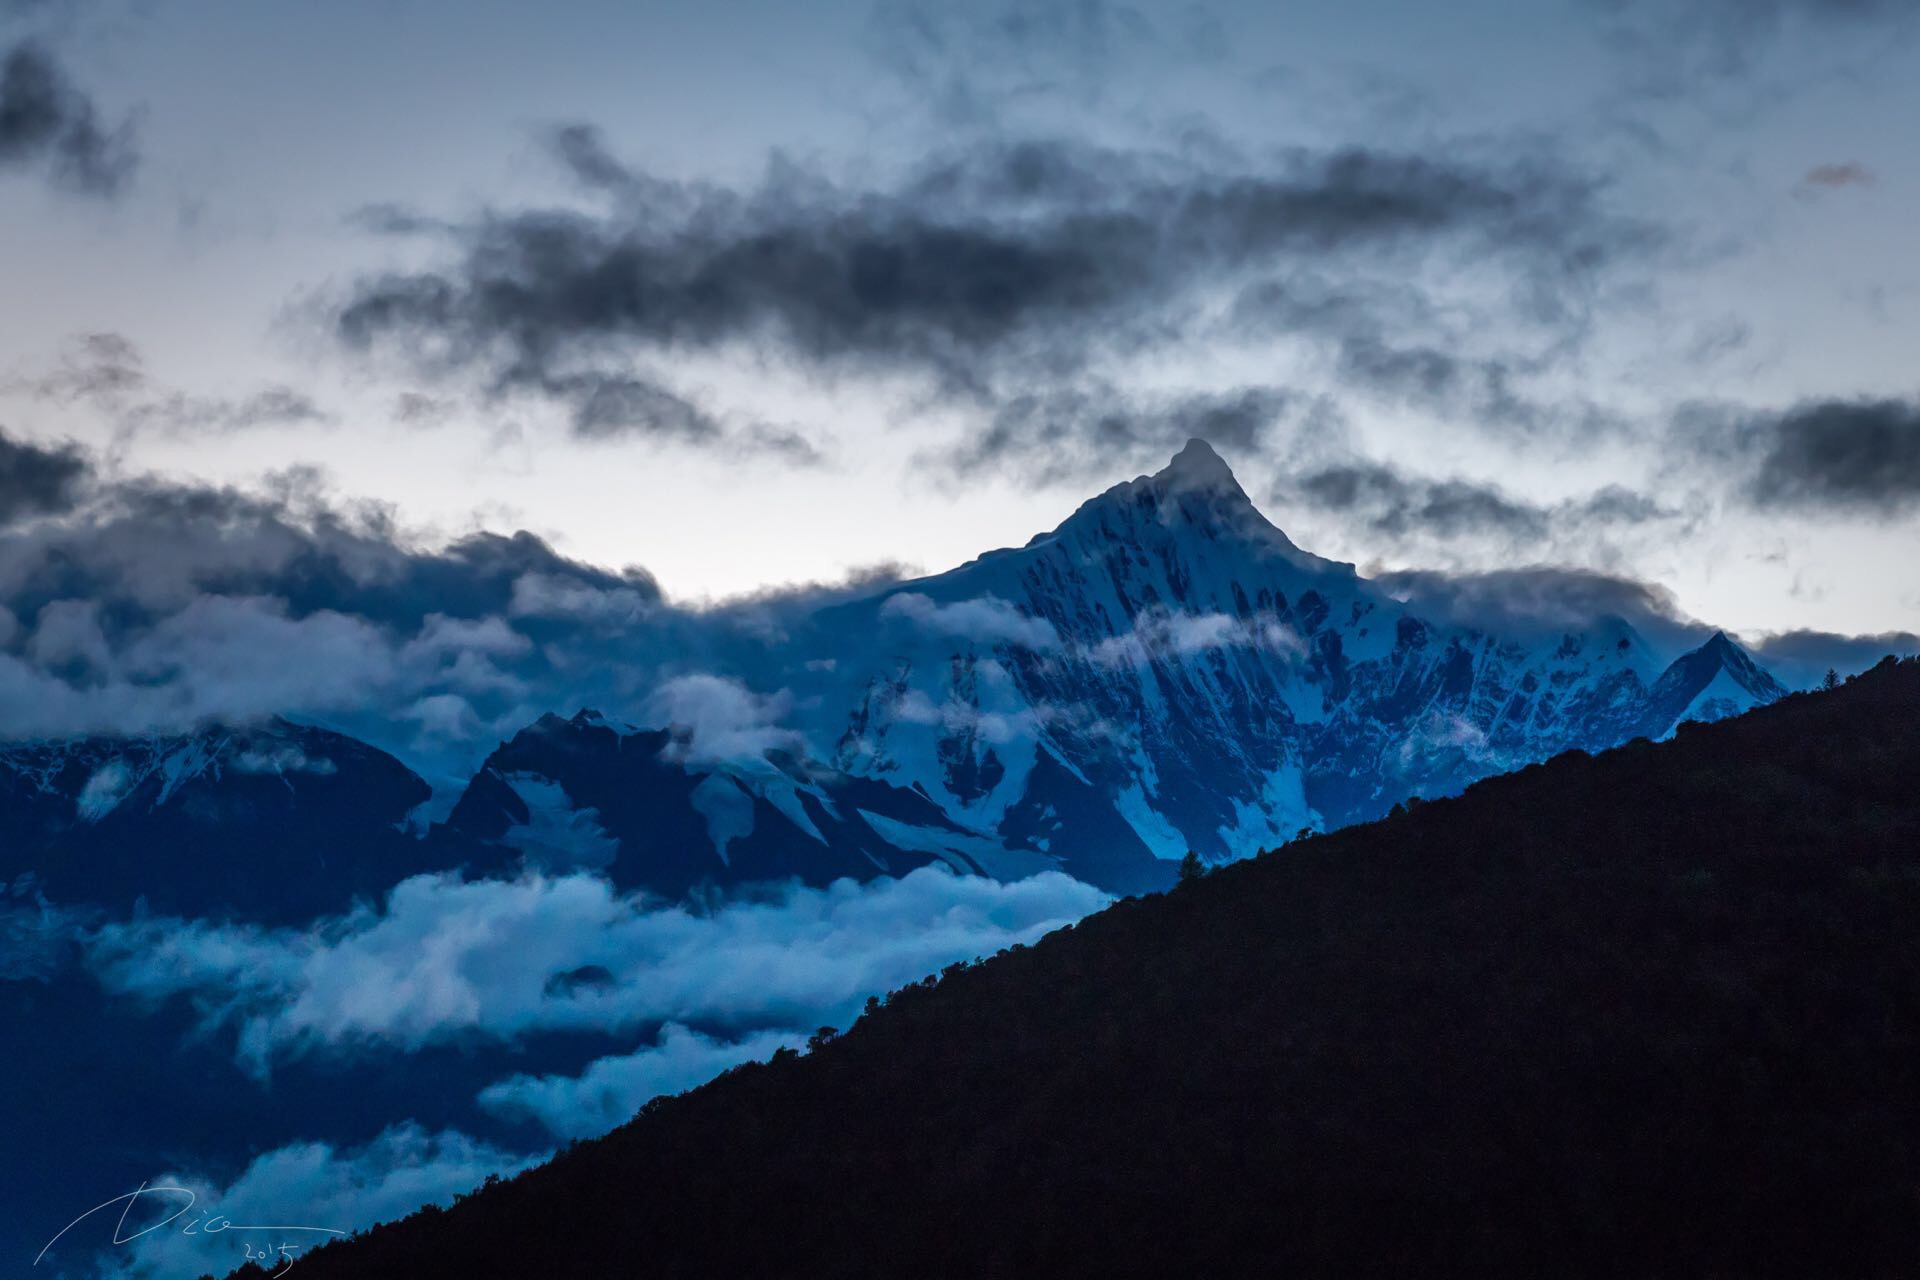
201 1225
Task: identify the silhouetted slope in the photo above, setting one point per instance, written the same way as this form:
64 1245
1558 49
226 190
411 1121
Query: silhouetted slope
1651 1013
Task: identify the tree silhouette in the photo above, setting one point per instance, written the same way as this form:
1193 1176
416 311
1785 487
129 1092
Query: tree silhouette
1649 1012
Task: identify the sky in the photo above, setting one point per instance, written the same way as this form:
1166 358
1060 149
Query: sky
738 308
752 294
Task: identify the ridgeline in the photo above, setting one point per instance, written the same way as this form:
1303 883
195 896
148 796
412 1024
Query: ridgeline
1655 1012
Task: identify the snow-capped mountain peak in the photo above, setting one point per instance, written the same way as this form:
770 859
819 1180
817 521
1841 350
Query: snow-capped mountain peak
1716 680
1164 671
1198 466
1194 501
1216 687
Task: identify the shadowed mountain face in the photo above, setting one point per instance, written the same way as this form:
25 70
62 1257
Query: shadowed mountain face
1713 682
1648 1013
276 822
587 793
1165 671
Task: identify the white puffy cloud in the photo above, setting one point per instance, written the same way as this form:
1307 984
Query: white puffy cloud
701 988
234 656
986 619
720 719
218 657
107 786
446 959
1438 732
1161 632
242 658
69 632
545 595
283 757
958 716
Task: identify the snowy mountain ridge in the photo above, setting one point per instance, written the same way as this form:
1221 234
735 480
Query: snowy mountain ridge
1215 686
1166 670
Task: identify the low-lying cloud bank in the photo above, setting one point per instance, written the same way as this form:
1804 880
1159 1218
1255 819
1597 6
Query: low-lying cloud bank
698 989
133 605
693 989
447 960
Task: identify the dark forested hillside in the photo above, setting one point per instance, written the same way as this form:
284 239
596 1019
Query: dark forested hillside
1650 1013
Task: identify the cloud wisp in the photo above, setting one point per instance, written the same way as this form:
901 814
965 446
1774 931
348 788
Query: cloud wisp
611 1089
1163 632
1398 509
105 374
445 960
985 619
1071 434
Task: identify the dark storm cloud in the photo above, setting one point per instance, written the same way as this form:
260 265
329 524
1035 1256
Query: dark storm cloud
1801 658
1486 390
1396 339
1838 456
1543 599
46 121
613 405
144 546
1010 263
1062 436
1405 507
605 405
146 605
36 480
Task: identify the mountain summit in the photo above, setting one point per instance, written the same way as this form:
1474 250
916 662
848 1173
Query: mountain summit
1195 497
1165 671
1197 465
1716 680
